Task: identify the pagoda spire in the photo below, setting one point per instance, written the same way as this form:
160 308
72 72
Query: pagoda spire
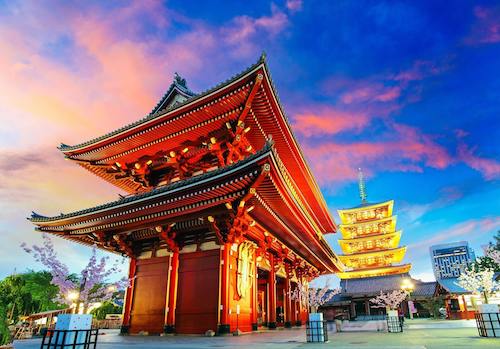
362 186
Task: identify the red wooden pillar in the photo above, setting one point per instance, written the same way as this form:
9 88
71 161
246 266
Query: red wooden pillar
255 288
272 294
172 293
129 296
224 325
287 300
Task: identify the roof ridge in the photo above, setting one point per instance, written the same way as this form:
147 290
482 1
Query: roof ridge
63 147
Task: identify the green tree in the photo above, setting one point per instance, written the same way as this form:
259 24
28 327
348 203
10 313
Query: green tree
433 305
27 293
485 263
43 292
106 308
5 337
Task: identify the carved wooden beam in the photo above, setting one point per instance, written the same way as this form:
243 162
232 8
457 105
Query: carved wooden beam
217 231
168 235
124 246
251 95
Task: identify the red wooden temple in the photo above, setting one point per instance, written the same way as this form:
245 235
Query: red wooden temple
223 216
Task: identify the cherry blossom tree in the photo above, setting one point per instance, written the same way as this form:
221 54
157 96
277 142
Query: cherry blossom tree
314 297
478 281
390 300
89 287
493 253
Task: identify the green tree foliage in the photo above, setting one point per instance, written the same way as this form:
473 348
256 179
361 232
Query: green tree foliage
433 305
106 308
496 244
5 337
485 263
27 293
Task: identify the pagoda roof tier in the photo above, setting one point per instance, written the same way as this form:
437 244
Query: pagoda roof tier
372 272
347 230
349 245
260 182
394 255
185 122
348 216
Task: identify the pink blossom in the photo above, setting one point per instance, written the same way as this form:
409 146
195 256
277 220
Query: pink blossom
92 285
390 299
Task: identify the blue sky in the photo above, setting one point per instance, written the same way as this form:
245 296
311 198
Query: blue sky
409 91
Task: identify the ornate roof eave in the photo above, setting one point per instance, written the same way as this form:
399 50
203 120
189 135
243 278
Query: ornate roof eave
36 218
365 207
397 251
373 237
392 218
151 117
378 271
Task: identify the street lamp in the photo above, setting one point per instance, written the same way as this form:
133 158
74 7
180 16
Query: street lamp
408 287
73 296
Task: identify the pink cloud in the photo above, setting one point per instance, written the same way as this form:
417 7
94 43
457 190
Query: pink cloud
489 168
486 29
241 33
294 5
371 93
472 229
327 120
404 149
420 70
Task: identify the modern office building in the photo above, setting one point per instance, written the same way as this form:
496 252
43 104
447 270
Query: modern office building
448 260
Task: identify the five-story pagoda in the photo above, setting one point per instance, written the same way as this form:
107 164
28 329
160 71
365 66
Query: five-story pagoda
370 239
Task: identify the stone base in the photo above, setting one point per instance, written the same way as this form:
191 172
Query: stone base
255 327
223 329
237 332
298 323
124 329
169 329
288 324
271 325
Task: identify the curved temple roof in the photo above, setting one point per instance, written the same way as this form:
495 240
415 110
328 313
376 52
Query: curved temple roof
202 114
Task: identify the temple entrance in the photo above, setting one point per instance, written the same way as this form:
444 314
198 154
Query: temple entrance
262 298
150 289
360 308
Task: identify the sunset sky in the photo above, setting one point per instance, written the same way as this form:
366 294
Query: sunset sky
409 91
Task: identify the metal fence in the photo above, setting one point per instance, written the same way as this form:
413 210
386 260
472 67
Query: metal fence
76 339
395 324
488 324
317 331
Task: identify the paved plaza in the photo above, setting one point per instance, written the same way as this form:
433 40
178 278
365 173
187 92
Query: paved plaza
454 336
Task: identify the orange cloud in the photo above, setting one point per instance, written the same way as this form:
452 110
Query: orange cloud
328 120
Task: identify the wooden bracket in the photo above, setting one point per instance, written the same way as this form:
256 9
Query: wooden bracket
168 236
124 246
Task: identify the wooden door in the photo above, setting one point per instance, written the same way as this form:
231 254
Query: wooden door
197 292
149 299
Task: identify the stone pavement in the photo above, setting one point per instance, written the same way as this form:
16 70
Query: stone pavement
440 338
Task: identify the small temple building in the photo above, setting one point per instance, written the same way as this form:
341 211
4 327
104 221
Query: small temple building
222 218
